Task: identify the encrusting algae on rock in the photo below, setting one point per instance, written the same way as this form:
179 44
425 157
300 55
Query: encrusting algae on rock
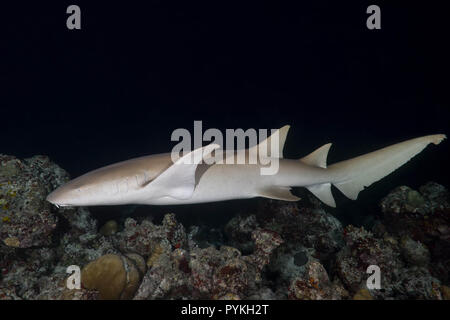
27 217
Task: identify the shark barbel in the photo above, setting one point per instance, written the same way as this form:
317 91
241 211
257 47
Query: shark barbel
157 180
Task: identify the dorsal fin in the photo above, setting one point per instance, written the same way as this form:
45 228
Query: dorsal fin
318 157
265 146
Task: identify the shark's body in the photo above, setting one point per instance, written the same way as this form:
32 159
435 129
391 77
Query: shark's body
157 180
245 181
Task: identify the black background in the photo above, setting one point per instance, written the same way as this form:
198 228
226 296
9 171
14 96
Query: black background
136 71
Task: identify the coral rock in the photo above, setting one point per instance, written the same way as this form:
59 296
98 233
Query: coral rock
363 294
414 252
109 228
314 284
25 215
113 276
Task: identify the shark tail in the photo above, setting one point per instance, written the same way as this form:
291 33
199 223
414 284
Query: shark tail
353 175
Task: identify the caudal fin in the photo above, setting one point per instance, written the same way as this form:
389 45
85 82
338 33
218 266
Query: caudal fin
351 176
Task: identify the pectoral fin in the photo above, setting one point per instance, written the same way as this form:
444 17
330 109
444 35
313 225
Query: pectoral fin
278 193
178 181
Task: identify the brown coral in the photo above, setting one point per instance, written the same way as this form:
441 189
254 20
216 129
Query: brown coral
115 277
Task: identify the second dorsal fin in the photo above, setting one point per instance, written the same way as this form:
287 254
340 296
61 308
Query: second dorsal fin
318 157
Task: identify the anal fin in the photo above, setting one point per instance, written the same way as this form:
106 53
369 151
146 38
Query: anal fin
278 193
323 192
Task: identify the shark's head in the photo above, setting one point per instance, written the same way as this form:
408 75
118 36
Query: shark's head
83 191
120 183
66 196
135 181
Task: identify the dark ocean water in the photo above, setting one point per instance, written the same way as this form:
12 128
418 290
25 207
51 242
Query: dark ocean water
117 88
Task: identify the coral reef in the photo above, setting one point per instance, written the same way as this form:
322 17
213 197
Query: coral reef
281 250
208 273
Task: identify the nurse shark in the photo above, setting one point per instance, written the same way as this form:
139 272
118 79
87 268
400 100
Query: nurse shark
158 180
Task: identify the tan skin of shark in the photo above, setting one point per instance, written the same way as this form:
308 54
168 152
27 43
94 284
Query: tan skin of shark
155 179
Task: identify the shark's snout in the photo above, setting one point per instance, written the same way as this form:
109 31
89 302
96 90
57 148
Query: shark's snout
60 197
80 192
51 198
55 197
